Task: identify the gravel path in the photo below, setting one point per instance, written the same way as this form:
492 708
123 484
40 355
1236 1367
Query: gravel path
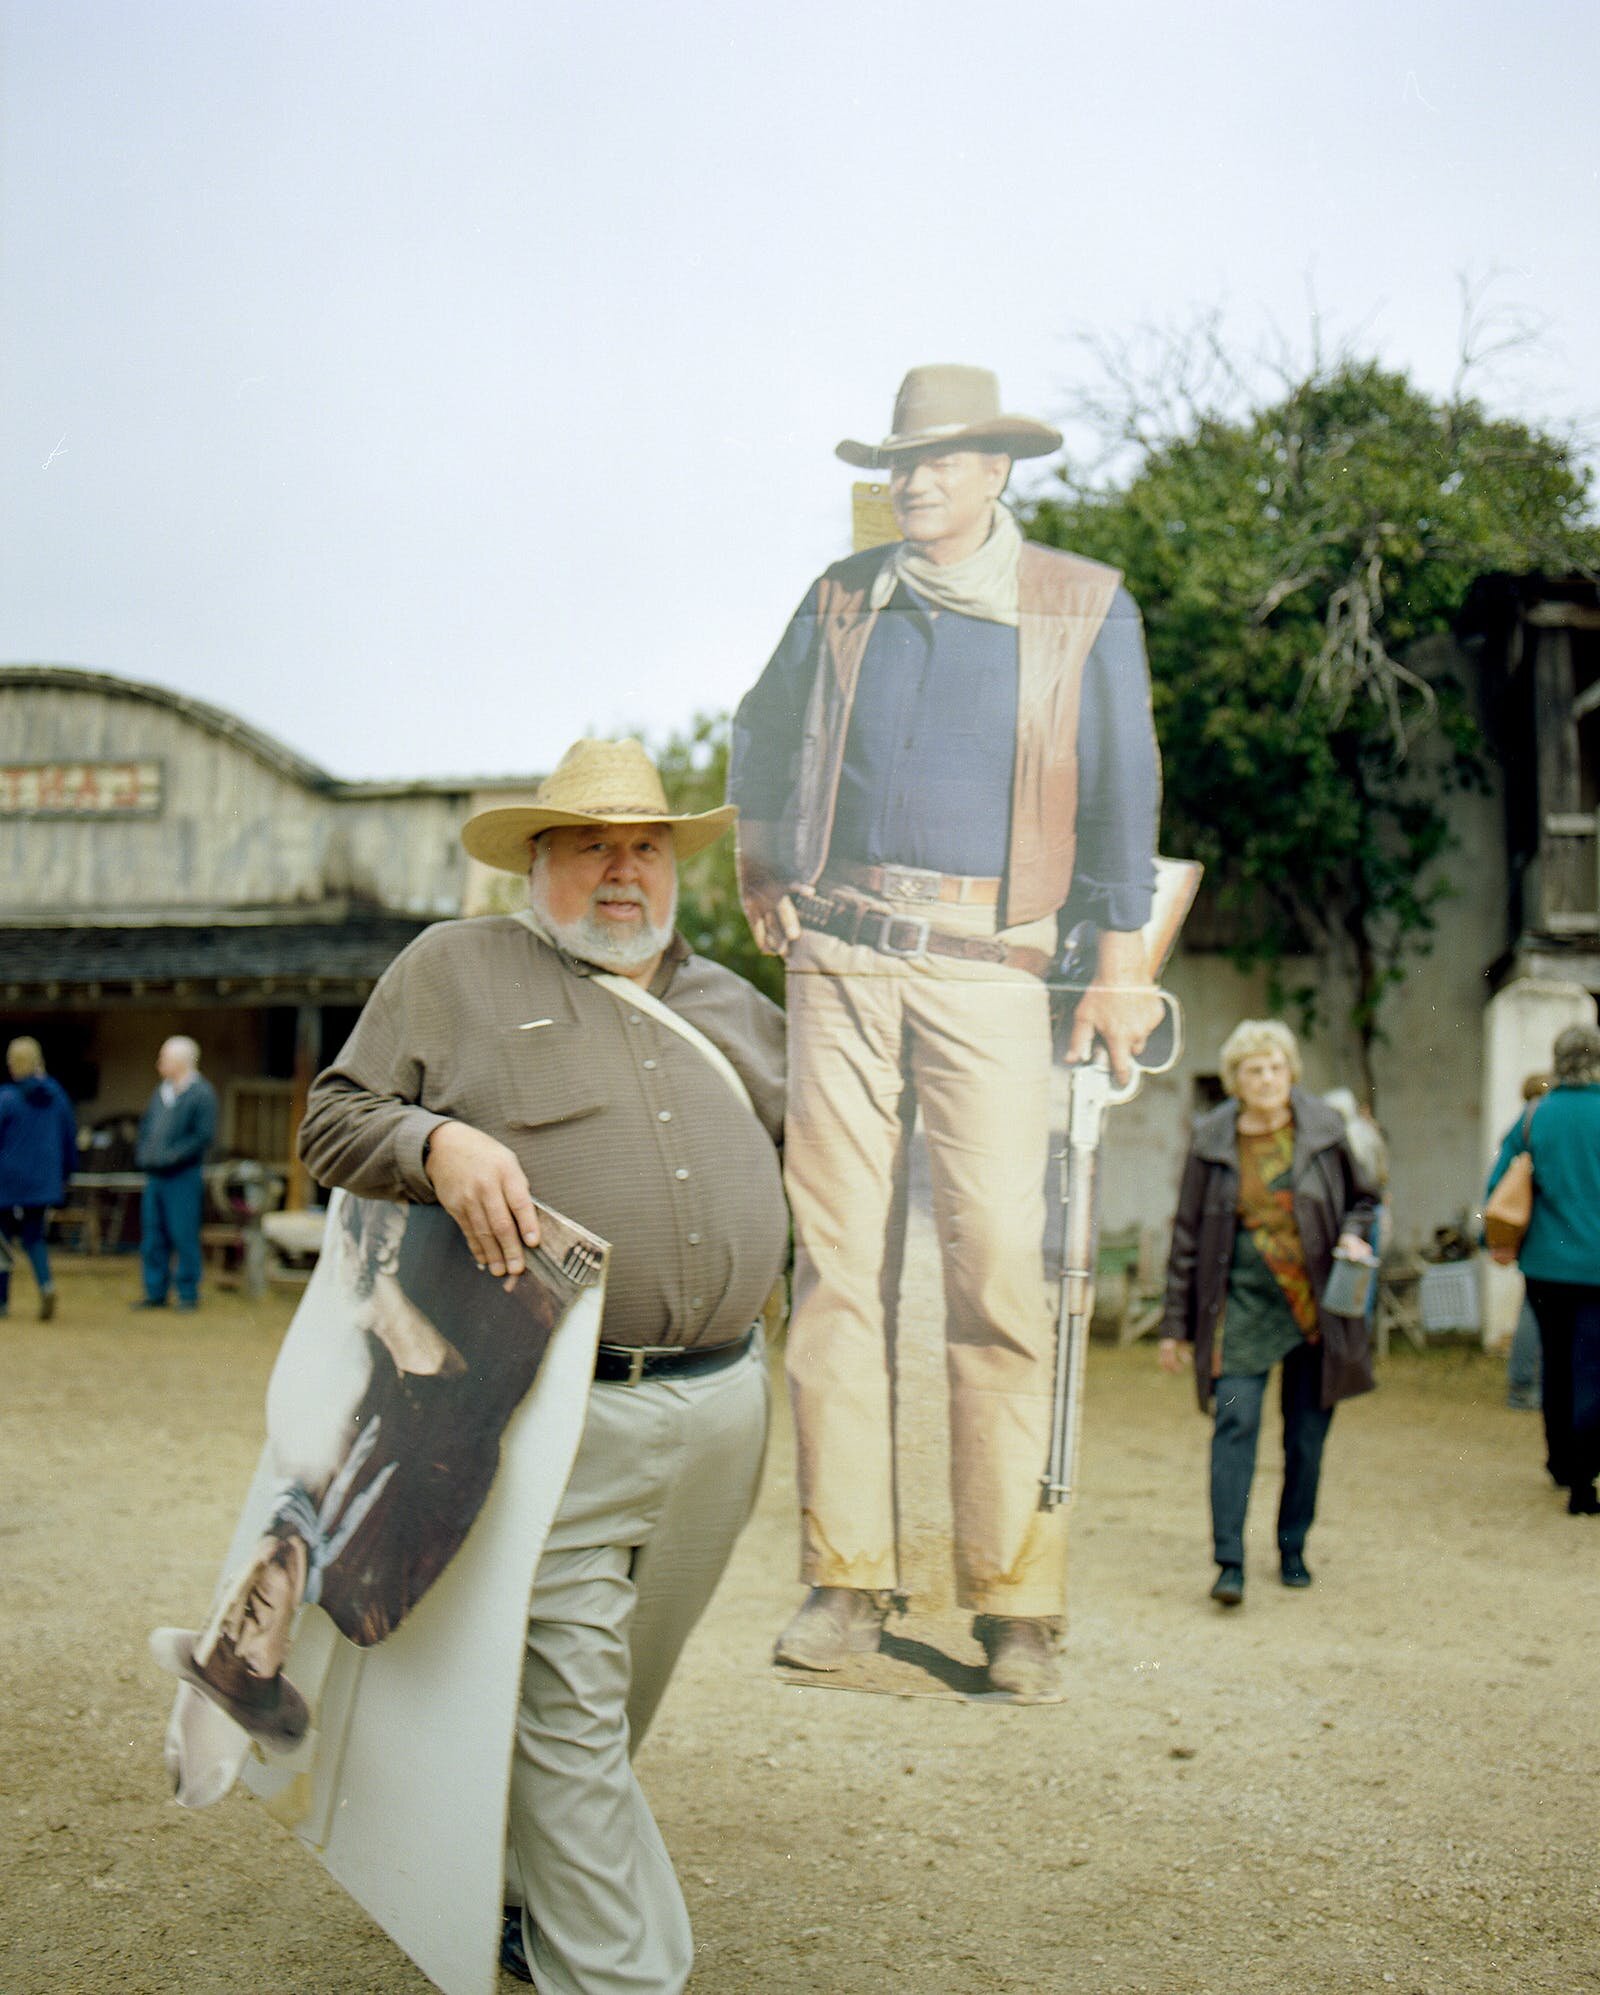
1387 1782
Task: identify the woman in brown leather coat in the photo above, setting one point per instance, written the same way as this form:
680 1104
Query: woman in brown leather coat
1270 1190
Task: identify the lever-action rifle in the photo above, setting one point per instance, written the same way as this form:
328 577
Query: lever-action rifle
1090 1092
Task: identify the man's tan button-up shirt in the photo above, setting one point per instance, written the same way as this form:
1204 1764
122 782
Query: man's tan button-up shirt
617 1120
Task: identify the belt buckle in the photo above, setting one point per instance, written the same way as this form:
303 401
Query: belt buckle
921 929
911 883
636 1364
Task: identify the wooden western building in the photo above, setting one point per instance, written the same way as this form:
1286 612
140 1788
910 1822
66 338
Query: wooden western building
166 868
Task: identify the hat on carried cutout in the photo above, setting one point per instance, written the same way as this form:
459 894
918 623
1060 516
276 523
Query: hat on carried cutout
268 1708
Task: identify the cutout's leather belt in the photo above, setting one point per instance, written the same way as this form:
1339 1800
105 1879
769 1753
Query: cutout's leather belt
909 937
917 883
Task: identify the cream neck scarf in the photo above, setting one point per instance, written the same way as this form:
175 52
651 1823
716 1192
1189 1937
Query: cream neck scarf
983 586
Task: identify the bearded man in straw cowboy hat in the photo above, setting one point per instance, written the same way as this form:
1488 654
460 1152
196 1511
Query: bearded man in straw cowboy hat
948 760
579 1049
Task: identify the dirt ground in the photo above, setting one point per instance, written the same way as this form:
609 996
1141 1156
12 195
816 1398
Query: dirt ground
1387 1782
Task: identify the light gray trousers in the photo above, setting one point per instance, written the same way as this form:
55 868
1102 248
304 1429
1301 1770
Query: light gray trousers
664 1481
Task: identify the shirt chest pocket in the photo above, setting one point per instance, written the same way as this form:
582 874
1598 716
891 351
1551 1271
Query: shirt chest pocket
552 1075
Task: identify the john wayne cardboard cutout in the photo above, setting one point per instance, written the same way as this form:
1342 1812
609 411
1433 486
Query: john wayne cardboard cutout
949 788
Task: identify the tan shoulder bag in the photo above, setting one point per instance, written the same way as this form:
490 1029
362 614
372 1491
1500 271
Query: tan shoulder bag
1509 1207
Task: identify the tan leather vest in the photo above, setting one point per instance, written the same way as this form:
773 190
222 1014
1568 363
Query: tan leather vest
1062 602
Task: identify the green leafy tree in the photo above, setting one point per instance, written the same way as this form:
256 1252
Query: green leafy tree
1289 557
694 767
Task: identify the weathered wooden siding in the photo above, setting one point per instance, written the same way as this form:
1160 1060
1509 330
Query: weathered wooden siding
232 831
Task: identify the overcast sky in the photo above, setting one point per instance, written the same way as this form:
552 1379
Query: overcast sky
429 384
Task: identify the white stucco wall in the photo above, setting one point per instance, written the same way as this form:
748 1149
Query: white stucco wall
1429 1071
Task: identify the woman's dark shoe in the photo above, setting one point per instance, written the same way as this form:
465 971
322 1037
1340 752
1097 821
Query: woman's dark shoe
1295 1570
1229 1589
1583 1502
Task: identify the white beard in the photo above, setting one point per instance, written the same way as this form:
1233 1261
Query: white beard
593 940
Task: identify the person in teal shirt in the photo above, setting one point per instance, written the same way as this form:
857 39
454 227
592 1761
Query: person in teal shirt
1560 1258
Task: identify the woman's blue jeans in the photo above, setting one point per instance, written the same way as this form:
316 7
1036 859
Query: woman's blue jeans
25 1224
1238 1401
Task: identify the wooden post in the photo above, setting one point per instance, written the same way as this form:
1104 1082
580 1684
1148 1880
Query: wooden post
307 1052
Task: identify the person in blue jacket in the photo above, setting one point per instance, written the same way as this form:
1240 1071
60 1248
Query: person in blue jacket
38 1153
175 1132
1560 1258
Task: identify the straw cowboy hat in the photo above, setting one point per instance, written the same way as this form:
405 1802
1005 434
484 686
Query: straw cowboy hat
269 1709
952 405
595 782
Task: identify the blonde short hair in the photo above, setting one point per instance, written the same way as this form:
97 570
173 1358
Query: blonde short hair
25 1057
1252 1036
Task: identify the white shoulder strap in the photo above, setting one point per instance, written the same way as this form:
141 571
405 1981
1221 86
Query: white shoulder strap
625 991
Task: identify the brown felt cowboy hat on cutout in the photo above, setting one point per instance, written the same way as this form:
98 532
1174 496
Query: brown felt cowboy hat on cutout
958 407
595 782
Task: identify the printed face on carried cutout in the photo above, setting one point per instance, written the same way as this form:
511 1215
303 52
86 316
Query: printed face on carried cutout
267 1620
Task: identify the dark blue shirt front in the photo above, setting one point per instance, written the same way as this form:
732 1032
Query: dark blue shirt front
931 752
933 732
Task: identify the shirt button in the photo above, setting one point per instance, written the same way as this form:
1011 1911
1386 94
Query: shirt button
696 1301
694 1239
680 1172
664 1115
649 1066
633 1018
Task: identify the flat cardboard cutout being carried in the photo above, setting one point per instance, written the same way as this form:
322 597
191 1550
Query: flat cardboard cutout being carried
362 1662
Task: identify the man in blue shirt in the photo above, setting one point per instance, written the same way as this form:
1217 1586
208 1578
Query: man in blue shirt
947 763
175 1133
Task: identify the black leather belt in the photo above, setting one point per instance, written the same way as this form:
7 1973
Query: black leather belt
906 936
623 1364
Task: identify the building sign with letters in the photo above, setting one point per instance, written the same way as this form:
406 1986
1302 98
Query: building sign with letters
80 789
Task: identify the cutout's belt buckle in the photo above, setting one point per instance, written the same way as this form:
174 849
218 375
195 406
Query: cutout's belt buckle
911 883
916 948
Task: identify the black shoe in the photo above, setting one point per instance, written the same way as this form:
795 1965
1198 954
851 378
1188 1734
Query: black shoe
513 1954
1582 1501
47 1304
1295 1570
148 1302
1229 1589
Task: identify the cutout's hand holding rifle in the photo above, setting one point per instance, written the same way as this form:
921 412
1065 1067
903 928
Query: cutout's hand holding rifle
1122 1027
1120 1008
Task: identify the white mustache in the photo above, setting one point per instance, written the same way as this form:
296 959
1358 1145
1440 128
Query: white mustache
634 895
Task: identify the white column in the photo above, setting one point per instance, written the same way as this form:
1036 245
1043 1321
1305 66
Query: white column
1520 1024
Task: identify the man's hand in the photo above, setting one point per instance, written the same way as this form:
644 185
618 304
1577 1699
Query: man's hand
1173 1353
1353 1247
481 1185
1120 1008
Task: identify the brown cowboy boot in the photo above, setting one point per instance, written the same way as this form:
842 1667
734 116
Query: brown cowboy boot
1023 1653
834 1622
